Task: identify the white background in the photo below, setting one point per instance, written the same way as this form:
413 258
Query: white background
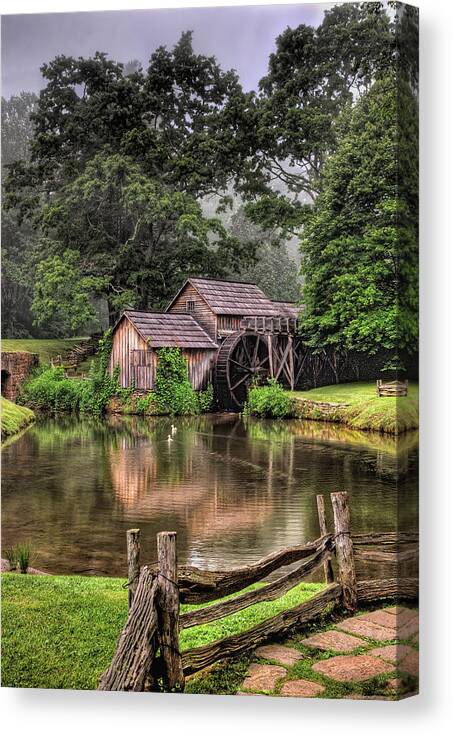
76 711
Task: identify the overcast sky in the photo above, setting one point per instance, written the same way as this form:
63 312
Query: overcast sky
240 37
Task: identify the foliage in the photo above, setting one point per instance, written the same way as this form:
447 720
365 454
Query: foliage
23 556
272 269
74 655
115 172
61 294
313 75
128 238
50 389
10 554
205 399
14 417
173 391
270 401
19 243
360 256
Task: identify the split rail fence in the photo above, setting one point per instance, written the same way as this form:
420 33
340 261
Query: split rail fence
148 655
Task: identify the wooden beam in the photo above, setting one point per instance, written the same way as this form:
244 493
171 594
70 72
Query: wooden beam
135 652
133 562
327 566
344 549
199 658
271 591
168 612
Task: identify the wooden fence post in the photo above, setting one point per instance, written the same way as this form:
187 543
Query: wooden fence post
327 566
133 561
344 550
168 612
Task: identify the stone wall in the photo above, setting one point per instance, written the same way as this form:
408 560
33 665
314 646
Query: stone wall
16 368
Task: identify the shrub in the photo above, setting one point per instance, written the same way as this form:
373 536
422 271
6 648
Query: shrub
23 554
205 400
270 401
173 391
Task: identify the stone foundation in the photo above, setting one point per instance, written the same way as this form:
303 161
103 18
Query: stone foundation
16 368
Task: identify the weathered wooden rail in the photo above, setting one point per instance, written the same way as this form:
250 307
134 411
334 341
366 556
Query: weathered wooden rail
148 655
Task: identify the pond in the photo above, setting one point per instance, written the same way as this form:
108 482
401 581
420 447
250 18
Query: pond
234 490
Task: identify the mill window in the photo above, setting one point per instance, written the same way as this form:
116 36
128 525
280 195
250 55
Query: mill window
190 305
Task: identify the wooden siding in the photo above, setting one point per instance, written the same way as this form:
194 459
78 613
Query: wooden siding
200 364
202 312
125 340
228 323
138 363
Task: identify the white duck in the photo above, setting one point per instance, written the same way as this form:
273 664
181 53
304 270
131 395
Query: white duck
173 429
169 439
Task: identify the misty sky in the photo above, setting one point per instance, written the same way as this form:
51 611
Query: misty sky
240 37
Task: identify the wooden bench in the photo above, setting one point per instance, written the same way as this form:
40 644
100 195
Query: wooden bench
393 389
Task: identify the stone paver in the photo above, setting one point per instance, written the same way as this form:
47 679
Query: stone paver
301 688
408 629
392 653
352 668
382 618
391 624
333 640
410 664
263 677
279 654
360 626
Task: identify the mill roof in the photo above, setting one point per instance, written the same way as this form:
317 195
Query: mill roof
289 310
225 297
170 330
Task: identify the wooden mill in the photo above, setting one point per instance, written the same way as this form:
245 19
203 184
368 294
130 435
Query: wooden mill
230 333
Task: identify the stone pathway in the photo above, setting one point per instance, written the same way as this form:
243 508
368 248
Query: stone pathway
372 650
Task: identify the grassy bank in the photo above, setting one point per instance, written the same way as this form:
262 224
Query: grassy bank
61 631
360 407
47 349
14 418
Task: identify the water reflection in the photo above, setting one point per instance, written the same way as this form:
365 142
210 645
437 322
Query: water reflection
233 490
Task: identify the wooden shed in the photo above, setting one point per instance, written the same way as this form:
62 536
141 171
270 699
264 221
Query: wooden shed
138 335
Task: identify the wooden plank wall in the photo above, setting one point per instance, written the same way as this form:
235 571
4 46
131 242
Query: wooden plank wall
229 323
200 364
202 313
125 339
138 363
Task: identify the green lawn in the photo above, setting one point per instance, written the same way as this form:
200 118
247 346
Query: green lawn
14 417
46 348
365 410
61 631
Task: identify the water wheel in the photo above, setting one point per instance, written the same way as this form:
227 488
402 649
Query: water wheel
243 358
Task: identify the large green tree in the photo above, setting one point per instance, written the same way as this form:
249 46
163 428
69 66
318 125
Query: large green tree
19 242
137 237
360 245
313 76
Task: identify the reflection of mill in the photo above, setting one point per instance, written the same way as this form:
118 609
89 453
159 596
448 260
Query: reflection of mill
202 486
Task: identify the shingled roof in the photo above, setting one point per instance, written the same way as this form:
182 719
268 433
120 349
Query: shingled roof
289 310
170 330
232 297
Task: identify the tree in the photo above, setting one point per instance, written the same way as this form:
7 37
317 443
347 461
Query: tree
313 76
360 245
183 121
140 237
18 242
61 296
272 269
